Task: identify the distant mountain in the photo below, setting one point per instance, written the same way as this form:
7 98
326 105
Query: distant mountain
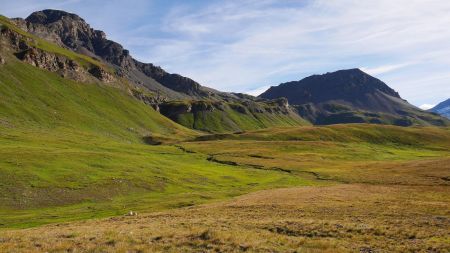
65 43
442 108
350 96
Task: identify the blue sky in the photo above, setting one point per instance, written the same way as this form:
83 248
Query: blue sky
246 46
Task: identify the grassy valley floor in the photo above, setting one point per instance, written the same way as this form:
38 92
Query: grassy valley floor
61 176
363 188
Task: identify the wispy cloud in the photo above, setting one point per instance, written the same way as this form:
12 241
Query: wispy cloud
248 44
244 46
384 69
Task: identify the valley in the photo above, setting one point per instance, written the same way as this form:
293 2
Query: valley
100 152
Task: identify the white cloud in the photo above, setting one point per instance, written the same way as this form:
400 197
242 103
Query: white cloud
426 106
258 91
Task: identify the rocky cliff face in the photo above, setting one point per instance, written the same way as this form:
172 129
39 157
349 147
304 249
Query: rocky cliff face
73 32
52 62
172 81
24 49
235 116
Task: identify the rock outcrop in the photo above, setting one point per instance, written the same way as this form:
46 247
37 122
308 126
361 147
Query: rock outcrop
101 74
25 50
48 61
14 40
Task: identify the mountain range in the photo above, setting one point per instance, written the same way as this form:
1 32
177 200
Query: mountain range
64 43
94 58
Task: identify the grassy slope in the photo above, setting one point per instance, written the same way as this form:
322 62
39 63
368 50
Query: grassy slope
367 133
74 151
356 153
230 120
32 97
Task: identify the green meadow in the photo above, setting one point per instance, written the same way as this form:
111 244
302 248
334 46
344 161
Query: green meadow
76 150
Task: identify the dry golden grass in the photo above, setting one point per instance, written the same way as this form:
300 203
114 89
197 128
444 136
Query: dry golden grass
340 218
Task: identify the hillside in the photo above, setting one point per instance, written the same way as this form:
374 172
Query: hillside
149 83
219 117
350 96
74 143
73 151
34 98
442 108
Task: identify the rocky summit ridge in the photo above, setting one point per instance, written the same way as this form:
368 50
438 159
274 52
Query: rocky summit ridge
71 31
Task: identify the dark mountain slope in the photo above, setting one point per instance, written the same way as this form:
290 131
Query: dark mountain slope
350 96
71 31
442 108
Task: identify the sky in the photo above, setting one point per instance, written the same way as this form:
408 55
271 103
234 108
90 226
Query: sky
250 45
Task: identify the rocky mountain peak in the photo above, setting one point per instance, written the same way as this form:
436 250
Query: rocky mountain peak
349 84
75 33
48 16
70 29
348 96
